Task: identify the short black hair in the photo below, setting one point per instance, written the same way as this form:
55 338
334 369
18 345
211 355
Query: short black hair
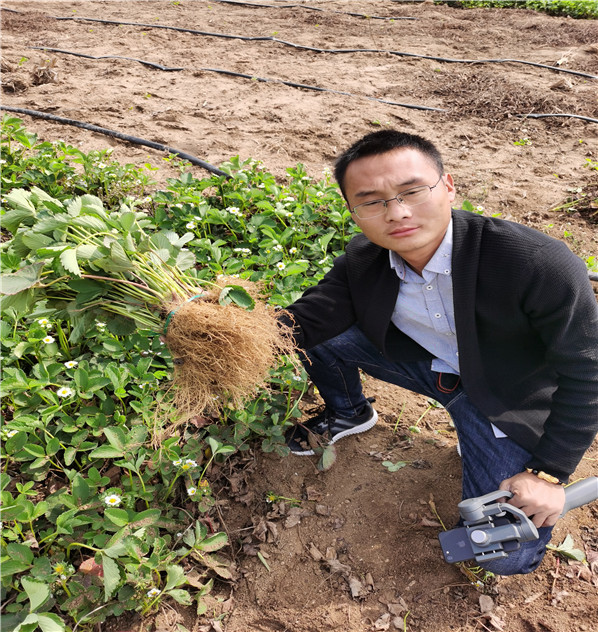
381 142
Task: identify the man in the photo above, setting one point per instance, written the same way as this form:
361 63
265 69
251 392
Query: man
492 319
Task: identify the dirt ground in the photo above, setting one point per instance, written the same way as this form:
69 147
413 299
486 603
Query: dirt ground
359 527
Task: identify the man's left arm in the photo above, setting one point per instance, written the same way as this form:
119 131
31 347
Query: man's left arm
562 308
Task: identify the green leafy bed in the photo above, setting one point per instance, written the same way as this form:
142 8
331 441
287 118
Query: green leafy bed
96 519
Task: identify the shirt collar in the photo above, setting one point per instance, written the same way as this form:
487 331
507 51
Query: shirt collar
440 263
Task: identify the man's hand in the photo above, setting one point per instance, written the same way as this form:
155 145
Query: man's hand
543 502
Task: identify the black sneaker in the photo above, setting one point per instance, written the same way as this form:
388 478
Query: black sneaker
328 428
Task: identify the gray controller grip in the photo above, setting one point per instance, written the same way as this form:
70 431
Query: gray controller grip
580 493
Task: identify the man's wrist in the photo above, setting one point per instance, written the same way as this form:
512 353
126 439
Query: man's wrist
549 478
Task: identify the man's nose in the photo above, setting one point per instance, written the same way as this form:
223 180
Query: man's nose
395 210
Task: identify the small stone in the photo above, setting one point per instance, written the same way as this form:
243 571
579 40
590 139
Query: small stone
486 604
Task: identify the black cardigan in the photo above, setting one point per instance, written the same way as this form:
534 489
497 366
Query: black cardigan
527 329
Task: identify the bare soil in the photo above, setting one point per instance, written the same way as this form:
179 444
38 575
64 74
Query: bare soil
358 526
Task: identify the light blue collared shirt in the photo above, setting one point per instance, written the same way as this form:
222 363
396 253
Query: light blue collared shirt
424 309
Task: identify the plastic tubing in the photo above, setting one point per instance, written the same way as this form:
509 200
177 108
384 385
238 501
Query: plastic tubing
245 76
305 86
583 118
108 132
152 64
266 38
308 8
318 89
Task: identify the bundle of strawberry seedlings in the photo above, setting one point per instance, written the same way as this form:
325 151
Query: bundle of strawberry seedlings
89 263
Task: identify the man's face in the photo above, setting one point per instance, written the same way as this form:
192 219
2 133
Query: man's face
415 232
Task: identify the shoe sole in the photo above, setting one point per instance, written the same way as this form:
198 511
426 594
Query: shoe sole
345 433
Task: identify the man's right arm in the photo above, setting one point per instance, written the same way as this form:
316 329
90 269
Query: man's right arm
324 311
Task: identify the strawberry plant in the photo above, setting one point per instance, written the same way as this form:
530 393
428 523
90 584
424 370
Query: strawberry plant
97 518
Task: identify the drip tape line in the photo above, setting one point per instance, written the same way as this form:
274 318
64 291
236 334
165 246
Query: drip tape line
308 8
141 61
448 60
305 87
318 89
261 79
292 6
583 118
267 38
131 139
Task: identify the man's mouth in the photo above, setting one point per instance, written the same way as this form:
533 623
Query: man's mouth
403 231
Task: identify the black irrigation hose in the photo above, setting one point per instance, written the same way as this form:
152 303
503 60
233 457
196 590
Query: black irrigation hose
266 38
254 78
305 86
583 118
593 276
333 50
152 64
304 6
318 89
131 139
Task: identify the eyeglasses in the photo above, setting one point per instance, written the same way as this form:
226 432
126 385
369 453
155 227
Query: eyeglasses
411 197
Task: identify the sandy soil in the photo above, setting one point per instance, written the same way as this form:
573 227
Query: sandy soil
378 524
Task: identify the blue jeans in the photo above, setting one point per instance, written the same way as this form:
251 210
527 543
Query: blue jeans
486 459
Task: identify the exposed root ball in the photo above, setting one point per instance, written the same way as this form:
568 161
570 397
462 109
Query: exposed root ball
221 353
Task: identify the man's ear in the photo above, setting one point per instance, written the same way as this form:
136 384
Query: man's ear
450 186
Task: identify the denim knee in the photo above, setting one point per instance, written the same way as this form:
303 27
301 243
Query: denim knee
524 560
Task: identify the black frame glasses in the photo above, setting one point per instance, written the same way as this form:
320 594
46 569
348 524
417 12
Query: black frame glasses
399 198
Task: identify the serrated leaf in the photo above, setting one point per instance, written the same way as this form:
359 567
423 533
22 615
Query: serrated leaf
111 576
41 195
177 241
160 241
11 567
105 452
159 256
175 576
68 259
29 624
19 553
213 543
185 260
5 480
87 289
145 518
49 622
295 268
328 458
37 592
73 207
81 489
120 517
127 220
50 224
35 241
91 222
116 435
23 210
92 203
52 250
120 261
393 467
238 295
88 251
134 547
180 596
23 279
